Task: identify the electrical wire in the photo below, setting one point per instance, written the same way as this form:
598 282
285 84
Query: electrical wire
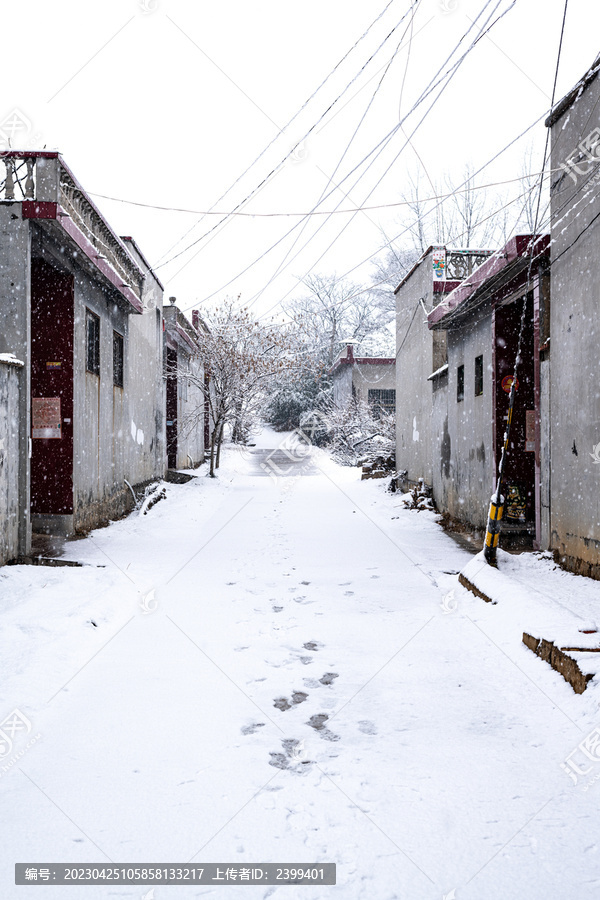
383 142
290 153
285 127
452 71
257 296
447 75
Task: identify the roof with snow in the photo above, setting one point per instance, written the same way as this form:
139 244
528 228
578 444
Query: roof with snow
574 94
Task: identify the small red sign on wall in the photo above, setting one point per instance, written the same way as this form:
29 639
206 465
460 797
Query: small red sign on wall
507 383
45 417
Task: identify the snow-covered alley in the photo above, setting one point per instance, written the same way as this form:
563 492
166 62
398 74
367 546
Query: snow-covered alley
275 669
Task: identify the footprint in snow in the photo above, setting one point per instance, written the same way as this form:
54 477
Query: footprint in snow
306 660
312 645
305 582
299 697
277 608
318 723
329 677
283 703
367 727
279 760
253 728
348 593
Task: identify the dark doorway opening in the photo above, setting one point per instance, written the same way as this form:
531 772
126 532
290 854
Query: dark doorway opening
171 408
52 323
519 485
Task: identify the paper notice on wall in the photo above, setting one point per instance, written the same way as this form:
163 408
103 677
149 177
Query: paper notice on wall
530 431
45 417
438 256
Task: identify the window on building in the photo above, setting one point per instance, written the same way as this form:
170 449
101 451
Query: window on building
460 384
478 376
382 400
92 329
118 359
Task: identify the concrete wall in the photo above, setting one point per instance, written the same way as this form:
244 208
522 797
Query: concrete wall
15 337
414 364
342 386
370 376
463 467
190 403
102 435
574 389
118 432
145 385
10 459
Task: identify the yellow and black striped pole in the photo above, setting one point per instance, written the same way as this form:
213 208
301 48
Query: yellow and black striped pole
497 502
493 529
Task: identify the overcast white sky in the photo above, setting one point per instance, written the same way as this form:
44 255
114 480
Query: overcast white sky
167 102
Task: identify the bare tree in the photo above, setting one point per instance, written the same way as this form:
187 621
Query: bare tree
333 311
241 355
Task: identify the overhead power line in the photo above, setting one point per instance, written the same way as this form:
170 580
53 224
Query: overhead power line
436 80
318 212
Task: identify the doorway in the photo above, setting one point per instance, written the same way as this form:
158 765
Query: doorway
52 323
519 483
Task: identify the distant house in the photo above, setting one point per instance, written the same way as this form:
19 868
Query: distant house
81 309
421 358
481 321
368 378
574 388
184 402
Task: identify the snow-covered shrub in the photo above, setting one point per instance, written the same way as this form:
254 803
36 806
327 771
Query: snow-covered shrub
355 433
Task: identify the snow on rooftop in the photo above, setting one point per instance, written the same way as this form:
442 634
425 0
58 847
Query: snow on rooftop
10 359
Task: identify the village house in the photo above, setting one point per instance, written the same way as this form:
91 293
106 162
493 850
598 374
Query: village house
421 359
574 391
83 409
481 322
364 378
185 402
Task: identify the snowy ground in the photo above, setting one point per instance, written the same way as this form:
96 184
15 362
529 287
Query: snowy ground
277 670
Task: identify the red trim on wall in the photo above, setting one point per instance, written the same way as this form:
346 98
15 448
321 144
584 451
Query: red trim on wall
444 287
38 209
